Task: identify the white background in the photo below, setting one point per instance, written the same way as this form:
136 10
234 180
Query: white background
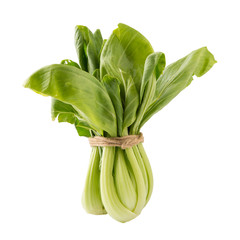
193 144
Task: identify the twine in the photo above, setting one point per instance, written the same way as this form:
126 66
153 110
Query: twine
123 142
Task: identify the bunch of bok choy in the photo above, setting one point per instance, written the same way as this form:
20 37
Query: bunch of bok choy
117 85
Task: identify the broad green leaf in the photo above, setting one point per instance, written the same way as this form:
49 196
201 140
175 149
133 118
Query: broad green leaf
126 50
154 66
70 62
58 104
88 46
80 89
66 113
178 76
112 86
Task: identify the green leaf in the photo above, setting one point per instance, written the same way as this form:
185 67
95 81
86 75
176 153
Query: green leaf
131 102
178 76
126 50
93 49
70 62
112 86
80 89
66 113
154 66
98 42
81 40
88 46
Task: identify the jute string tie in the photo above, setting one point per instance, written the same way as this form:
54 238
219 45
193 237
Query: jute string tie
123 142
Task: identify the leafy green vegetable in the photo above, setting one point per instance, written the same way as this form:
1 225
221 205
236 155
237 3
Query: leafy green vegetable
118 85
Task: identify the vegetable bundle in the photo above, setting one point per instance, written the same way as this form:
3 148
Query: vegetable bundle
116 87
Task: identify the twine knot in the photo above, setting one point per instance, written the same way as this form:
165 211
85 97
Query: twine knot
123 142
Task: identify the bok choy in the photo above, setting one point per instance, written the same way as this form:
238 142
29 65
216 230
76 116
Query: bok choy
116 86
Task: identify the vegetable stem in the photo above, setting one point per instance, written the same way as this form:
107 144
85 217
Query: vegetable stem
91 198
110 199
148 170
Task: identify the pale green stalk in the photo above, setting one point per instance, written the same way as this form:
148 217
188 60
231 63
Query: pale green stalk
126 188
148 170
125 182
110 199
140 184
91 198
141 165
